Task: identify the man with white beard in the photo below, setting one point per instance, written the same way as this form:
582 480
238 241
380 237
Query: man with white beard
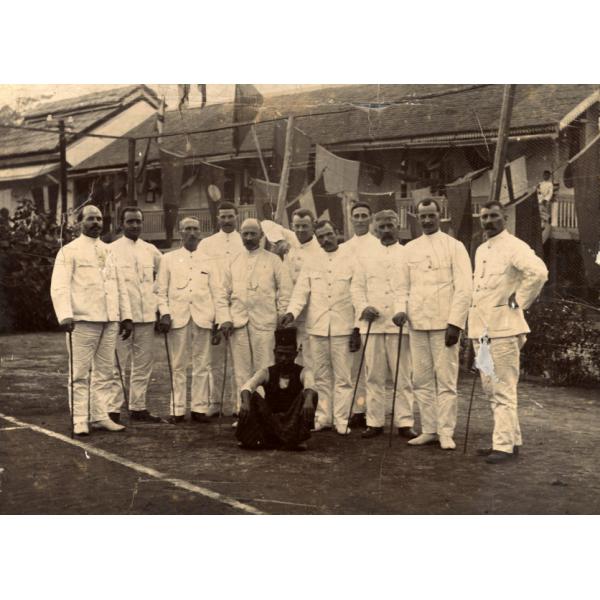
258 288
372 289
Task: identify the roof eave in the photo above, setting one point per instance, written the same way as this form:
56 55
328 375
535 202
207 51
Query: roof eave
579 109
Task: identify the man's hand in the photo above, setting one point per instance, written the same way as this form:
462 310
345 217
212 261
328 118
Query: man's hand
287 320
164 325
245 404
354 342
226 329
369 314
281 248
512 301
452 335
399 319
215 335
67 325
125 328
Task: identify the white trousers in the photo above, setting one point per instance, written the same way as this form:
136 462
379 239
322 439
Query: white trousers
502 391
137 350
93 348
251 350
332 362
192 344
380 357
435 376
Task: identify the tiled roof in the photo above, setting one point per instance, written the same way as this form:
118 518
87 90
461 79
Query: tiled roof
332 117
87 112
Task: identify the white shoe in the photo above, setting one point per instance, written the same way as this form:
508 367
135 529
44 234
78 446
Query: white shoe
81 428
321 427
447 443
107 424
343 430
423 439
234 424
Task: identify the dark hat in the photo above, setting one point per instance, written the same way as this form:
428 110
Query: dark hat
285 338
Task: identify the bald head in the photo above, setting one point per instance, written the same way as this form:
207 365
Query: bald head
251 233
91 221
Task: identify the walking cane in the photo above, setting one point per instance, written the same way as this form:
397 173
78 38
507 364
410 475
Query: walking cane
396 383
125 393
70 336
224 380
362 358
475 376
90 395
170 376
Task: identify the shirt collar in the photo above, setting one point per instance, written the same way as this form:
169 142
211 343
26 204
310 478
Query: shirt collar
86 239
493 240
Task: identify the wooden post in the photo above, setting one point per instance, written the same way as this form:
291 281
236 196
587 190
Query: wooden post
131 200
501 146
285 171
62 147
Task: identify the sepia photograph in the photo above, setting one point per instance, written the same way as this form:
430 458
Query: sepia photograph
300 299
333 331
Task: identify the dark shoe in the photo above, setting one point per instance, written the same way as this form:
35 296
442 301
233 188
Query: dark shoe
488 451
174 420
496 457
371 432
199 417
358 420
144 415
115 417
407 432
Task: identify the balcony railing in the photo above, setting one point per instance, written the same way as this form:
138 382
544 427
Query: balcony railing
564 218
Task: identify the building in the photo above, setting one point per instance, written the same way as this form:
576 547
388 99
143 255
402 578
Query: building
29 160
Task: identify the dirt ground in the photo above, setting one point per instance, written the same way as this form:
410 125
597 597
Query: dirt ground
556 473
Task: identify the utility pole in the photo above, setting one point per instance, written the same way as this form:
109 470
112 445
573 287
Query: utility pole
62 147
285 171
131 174
508 97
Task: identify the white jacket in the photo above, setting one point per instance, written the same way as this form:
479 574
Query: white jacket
362 246
325 289
258 288
435 283
223 246
86 284
188 287
504 265
301 254
373 284
138 262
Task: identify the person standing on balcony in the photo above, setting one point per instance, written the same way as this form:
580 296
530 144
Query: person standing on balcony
138 262
362 244
545 194
434 293
190 301
257 287
508 278
92 305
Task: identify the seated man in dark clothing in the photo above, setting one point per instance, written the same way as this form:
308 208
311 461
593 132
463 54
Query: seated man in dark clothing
278 403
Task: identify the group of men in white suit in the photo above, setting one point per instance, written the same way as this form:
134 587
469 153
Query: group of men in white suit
370 291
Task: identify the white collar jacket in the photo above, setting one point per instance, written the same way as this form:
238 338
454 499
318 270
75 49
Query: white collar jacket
222 246
138 262
324 288
258 288
504 265
435 283
86 284
188 287
373 284
362 246
301 254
